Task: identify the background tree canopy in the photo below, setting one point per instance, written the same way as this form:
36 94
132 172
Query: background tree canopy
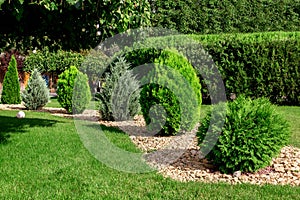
69 24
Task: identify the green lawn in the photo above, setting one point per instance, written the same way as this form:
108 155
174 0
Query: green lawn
45 159
53 103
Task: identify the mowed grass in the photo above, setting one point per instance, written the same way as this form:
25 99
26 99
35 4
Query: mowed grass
53 103
45 159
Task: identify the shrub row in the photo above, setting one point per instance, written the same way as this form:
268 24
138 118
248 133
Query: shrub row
256 65
52 61
228 16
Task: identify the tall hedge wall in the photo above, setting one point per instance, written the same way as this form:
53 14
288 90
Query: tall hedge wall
256 65
227 16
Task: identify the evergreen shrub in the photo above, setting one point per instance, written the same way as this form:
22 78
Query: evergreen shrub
169 89
11 86
36 93
73 90
119 98
253 134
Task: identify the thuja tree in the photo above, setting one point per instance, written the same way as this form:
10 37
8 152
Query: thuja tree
36 94
73 90
11 85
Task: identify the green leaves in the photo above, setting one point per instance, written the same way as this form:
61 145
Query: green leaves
11 86
252 135
36 94
175 87
73 90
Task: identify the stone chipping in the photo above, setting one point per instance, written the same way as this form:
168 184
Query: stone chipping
179 158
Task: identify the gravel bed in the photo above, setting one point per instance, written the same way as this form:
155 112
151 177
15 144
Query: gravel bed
178 157
185 163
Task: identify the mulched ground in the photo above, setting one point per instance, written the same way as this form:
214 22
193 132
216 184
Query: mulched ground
178 157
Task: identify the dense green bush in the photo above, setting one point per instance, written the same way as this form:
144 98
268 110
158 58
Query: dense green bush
258 65
36 93
253 134
119 98
168 88
227 16
11 86
73 90
255 65
52 61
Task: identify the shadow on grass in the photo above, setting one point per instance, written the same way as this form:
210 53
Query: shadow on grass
11 125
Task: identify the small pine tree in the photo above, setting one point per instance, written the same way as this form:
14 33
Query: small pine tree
11 85
36 94
119 99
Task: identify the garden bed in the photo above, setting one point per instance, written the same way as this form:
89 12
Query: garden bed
189 166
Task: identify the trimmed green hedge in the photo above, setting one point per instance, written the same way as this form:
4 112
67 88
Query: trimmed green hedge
227 16
52 61
258 65
255 65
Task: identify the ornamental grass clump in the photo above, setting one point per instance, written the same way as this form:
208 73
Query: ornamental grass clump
253 134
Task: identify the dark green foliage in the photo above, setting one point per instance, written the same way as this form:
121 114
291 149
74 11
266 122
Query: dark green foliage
68 24
253 134
73 90
228 16
50 61
176 88
11 85
94 65
119 98
255 65
258 65
36 94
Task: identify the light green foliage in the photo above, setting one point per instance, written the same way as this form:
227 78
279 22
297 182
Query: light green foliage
11 86
52 61
252 135
73 90
36 94
119 99
169 89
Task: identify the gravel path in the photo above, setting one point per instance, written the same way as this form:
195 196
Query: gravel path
178 157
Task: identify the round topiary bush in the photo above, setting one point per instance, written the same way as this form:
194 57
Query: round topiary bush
36 93
175 87
253 134
73 90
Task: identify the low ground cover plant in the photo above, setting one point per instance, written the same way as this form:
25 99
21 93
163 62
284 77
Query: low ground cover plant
252 135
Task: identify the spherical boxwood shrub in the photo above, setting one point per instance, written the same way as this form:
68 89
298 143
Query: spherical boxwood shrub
174 86
253 133
73 90
36 94
11 85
